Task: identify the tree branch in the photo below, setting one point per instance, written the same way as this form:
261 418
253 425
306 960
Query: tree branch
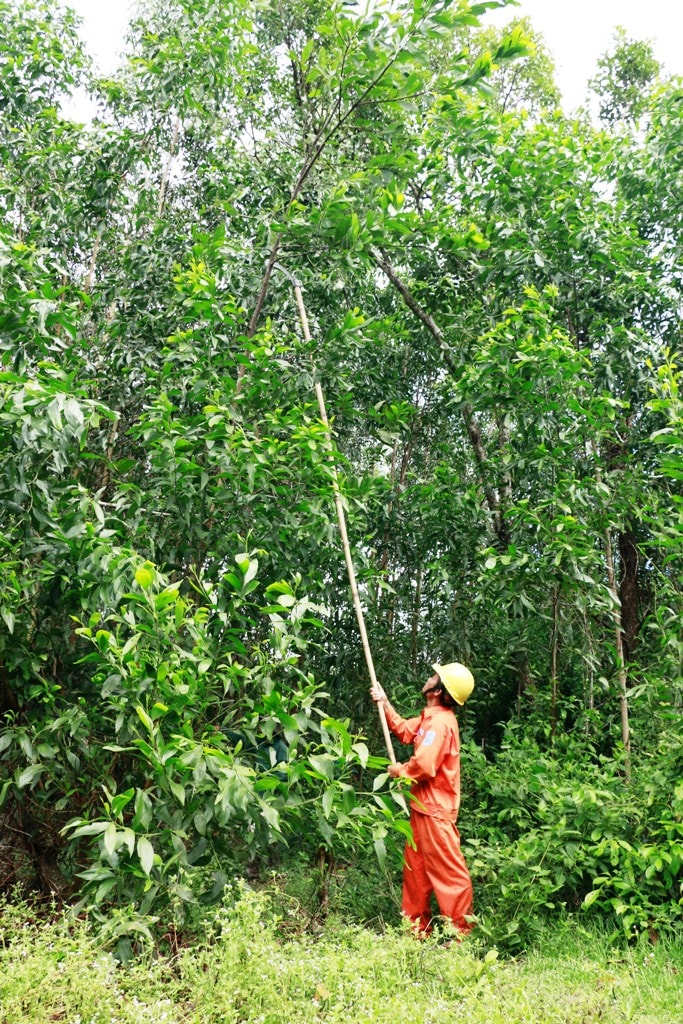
323 136
471 425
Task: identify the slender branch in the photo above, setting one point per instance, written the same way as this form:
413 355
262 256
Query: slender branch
622 673
167 167
504 448
471 425
415 624
97 245
619 644
384 263
553 661
87 284
324 134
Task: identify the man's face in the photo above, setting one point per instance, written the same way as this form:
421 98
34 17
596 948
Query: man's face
432 681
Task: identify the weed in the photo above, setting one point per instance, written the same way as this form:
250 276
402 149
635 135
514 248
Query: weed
243 971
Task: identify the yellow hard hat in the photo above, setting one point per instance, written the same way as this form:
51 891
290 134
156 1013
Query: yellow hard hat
457 679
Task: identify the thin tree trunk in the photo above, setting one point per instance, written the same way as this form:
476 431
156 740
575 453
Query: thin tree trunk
622 674
166 174
525 681
415 624
504 449
471 425
629 590
554 639
619 643
87 285
590 696
384 560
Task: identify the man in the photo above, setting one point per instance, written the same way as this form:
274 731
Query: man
436 863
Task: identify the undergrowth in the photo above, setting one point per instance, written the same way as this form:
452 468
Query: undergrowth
246 970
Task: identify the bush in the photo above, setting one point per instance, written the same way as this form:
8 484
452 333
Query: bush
564 831
183 757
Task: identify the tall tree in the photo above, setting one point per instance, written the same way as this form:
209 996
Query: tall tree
626 77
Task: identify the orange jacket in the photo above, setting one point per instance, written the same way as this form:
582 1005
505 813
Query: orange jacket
435 764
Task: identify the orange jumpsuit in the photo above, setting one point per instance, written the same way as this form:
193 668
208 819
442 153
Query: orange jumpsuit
436 864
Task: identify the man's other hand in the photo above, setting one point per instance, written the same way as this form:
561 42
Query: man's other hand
378 694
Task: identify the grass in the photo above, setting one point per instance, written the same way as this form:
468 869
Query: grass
244 970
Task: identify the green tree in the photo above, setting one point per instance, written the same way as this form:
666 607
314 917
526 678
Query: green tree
494 301
625 80
527 84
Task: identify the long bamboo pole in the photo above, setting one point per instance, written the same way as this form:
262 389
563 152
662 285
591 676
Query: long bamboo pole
341 518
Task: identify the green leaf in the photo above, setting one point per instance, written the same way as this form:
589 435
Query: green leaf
8 618
362 752
323 764
132 641
145 719
307 51
271 815
399 799
104 889
4 791
120 801
590 898
127 837
328 801
110 838
144 577
73 413
29 774
178 791
242 561
143 808
280 587
146 854
55 414
91 828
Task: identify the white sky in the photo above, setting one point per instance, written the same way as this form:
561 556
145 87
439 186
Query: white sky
576 32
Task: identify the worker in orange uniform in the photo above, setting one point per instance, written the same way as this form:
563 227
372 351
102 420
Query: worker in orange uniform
435 864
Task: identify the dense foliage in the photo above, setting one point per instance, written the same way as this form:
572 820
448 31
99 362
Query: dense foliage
494 293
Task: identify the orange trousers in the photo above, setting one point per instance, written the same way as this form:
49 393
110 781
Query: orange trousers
435 866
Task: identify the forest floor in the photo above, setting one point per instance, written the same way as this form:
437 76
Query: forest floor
244 969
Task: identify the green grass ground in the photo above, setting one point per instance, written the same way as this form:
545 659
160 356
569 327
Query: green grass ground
245 970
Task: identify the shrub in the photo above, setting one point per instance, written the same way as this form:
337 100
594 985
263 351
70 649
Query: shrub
563 831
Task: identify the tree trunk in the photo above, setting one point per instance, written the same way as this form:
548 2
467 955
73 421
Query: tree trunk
619 643
554 642
166 173
471 425
622 674
415 624
629 591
